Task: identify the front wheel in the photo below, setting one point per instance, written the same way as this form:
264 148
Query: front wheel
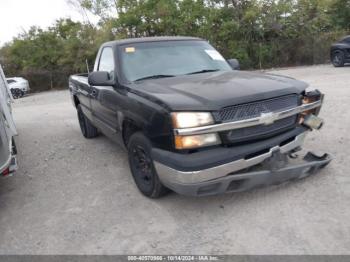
338 59
142 168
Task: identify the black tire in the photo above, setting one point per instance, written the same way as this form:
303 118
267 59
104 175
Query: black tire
16 93
87 129
338 59
142 168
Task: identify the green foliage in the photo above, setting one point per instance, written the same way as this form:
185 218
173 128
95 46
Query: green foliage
63 46
260 33
341 13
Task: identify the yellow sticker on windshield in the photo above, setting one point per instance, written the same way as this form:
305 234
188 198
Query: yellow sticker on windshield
130 49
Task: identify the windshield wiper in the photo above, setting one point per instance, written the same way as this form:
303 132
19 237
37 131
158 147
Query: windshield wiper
204 71
153 77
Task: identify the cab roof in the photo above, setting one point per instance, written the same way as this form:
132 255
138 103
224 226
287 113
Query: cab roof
150 39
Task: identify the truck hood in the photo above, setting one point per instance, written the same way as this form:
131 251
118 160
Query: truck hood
213 91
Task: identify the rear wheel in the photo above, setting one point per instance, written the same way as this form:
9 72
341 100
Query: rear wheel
86 127
338 59
142 168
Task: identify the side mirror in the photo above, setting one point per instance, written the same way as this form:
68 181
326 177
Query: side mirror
100 78
234 64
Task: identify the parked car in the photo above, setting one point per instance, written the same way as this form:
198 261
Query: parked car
18 86
340 52
193 124
8 151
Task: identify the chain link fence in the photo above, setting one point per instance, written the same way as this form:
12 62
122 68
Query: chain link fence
46 80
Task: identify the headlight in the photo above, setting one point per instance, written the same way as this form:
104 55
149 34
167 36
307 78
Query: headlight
311 97
309 118
191 119
190 142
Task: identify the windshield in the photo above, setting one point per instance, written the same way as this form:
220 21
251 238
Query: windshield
141 61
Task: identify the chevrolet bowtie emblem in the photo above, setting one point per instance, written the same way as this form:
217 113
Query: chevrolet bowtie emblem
268 118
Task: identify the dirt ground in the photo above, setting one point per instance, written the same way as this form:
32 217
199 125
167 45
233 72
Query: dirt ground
76 196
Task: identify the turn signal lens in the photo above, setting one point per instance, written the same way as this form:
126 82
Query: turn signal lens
190 142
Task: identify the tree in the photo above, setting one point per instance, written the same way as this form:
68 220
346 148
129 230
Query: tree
340 11
260 33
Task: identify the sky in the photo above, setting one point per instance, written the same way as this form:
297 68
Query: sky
17 16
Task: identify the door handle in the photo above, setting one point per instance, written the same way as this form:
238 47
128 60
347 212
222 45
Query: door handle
94 93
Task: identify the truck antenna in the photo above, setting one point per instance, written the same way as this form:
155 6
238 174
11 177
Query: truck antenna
87 66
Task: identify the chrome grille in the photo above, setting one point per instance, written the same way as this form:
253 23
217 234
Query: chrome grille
255 131
255 109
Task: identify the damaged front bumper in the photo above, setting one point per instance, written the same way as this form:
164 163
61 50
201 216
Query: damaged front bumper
245 181
269 168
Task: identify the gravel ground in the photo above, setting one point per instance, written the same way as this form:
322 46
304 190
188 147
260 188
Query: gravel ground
76 196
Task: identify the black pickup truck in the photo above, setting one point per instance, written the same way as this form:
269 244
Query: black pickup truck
191 122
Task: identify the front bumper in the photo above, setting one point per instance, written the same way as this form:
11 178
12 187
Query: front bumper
245 181
272 167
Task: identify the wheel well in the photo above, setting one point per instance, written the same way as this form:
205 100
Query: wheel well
76 101
129 128
337 51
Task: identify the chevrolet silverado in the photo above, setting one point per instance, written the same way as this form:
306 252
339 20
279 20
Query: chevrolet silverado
192 122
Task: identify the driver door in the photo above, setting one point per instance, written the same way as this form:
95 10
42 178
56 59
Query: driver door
104 99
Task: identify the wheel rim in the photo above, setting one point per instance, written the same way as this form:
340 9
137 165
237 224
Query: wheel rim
337 59
142 163
15 93
82 122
